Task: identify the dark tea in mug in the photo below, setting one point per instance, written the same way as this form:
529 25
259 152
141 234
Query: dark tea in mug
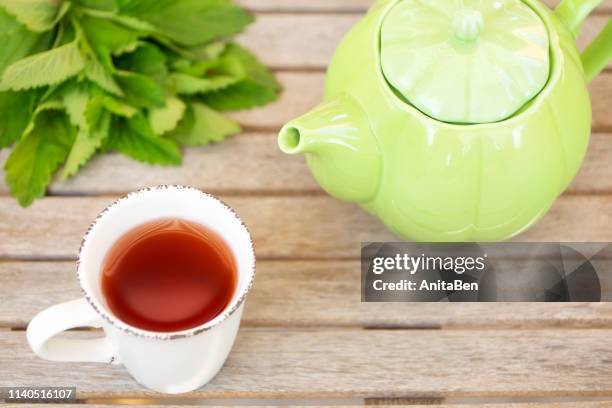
169 275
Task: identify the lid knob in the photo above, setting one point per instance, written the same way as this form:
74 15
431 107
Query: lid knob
467 24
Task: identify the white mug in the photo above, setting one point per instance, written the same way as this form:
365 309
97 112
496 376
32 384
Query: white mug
165 362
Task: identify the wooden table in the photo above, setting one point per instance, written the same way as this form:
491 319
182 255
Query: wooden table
306 338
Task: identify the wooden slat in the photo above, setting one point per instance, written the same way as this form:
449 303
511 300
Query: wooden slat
297 40
252 163
310 226
307 294
340 5
414 403
283 227
309 40
363 364
601 97
245 164
595 176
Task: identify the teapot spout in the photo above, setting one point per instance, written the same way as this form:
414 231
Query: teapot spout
339 146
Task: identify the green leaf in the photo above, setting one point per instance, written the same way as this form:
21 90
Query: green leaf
51 104
97 73
205 52
243 95
99 103
75 99
104 5
165 119
36 15
17 42
37 155
147 60
85 145
88 138
202 126
125 21
189 85
106 36
15 110
98 62
133 23
66 33
43 106
189 22
141 90
196 69
129 48
257 87
135 138
46 68
238 61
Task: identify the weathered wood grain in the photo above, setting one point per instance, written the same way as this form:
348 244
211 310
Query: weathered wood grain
252 164
307 294
300 226
341 5
285 40
601 98
249 163
283 227
595 176
363 364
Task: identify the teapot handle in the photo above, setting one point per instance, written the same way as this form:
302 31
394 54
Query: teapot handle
598 54
572 13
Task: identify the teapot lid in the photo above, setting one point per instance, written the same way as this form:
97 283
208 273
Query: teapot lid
465 61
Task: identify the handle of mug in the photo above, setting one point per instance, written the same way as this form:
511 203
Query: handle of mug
64 316
598 54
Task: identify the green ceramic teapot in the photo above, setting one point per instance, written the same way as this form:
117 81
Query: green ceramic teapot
455 120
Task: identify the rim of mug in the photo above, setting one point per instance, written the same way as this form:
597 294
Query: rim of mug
121 325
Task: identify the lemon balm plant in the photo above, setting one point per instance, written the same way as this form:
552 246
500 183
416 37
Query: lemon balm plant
141 77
